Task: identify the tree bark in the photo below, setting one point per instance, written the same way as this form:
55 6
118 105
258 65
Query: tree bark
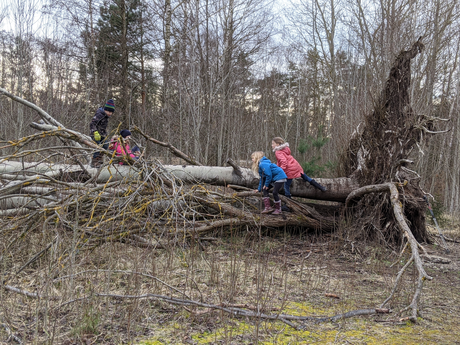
337 189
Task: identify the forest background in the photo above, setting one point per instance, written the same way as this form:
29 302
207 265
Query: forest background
219 79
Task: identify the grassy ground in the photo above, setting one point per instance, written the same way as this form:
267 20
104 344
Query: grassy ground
281 272
294 279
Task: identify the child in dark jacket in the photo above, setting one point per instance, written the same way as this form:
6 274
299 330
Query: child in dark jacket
98 128
269 173
290 166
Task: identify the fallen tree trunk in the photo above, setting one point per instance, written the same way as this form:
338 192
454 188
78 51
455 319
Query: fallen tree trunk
337 189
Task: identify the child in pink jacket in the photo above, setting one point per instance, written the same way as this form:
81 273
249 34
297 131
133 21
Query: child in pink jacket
118 146
290 166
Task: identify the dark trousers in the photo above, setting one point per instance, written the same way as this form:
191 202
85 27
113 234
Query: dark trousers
287 187
105 145
287 184
276 188
306 178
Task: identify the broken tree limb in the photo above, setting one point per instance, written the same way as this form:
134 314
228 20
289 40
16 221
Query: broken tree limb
422 275
398 278
394 197
27 201
235 167
43 114
171 148
20 291
36 256
45 117
240 312
221 176
115 172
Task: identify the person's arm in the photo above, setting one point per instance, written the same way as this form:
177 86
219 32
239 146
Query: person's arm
95 121
268 175
259 189
281 158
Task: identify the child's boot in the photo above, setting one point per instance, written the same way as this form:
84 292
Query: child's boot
285 207
97 162
317 185
277 207
267 208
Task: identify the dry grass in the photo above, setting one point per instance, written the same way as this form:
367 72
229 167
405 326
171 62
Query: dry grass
278 272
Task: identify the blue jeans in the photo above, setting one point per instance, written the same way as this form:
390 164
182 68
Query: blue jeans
287 184
287 187
306 178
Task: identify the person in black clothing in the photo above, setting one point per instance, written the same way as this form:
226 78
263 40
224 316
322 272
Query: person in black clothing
98 128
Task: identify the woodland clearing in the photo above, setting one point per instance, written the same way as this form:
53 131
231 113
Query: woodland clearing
275 272
322 276
181 254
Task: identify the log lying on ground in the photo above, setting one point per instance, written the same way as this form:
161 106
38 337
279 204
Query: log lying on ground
338 188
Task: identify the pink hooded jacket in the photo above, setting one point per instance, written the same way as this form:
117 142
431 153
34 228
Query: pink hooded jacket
286 162
119 151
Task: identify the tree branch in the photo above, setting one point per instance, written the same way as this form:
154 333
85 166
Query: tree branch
171 148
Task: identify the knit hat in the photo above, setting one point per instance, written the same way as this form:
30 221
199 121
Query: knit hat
125 133
110 105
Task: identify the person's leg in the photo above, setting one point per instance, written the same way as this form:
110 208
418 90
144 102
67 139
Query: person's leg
305 177
266 199
97 153
265 193
105 143
287 187
313 183
317 185
276 189
287 193
97 156
277 205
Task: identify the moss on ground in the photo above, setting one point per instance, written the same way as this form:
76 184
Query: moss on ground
357 331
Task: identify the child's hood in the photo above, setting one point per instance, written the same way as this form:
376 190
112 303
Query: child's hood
265 160
283 147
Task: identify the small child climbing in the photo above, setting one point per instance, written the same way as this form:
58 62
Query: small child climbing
98 128
290 166
269 173
123 143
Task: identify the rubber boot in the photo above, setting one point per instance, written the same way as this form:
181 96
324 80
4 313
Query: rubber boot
277 207
267 208
317 185
285 207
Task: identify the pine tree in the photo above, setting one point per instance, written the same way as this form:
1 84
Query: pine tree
121 53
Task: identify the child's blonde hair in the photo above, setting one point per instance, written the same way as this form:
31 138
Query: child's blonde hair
255 164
